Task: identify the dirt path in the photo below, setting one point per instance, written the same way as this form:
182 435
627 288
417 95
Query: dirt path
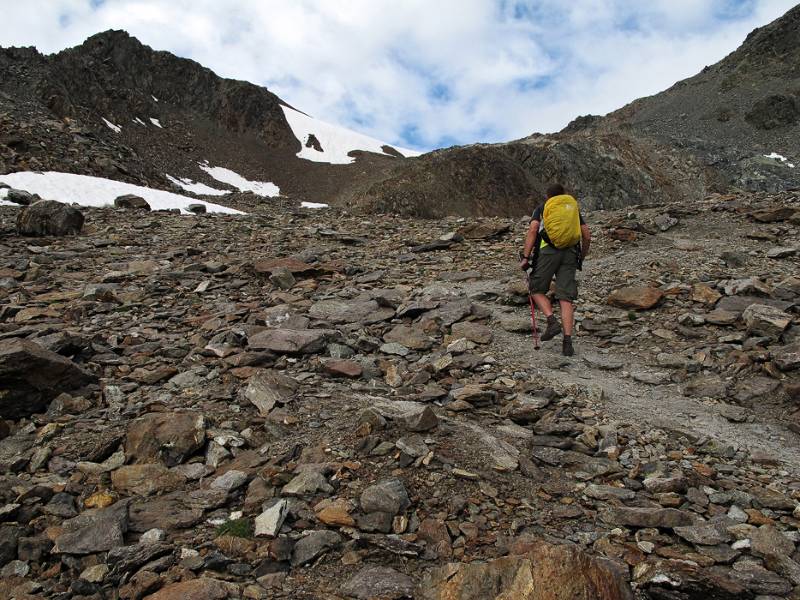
626 400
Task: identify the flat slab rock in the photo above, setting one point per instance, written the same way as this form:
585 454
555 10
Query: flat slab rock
646 517
291 341
95 530
379 582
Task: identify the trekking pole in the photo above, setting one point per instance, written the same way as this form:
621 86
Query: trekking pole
534 327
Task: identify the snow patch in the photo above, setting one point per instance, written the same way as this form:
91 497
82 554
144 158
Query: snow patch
156 122
140 122
335 141
3 201
783 159
312 205
111 126
86 190
260 188
197 187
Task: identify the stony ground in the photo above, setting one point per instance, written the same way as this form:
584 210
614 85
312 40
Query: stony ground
324 405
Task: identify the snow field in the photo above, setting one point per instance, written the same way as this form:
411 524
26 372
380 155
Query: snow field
86 190
233 179
336 141
196 187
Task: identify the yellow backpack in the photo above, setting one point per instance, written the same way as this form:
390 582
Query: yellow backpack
562 223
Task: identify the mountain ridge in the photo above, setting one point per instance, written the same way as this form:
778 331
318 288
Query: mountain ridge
717 131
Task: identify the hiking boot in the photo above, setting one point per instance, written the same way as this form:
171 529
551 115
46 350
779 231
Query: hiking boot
553 328
566 348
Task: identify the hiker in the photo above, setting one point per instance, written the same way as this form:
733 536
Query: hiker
557 242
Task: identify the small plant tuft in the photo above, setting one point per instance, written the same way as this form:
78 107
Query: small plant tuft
238 528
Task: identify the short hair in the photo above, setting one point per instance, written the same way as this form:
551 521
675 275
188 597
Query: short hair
555 189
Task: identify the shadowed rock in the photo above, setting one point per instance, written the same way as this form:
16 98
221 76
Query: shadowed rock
49 218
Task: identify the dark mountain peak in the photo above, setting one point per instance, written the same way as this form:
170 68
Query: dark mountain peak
775 40
110 36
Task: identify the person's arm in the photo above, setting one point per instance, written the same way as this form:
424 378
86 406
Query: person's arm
530 240
586 240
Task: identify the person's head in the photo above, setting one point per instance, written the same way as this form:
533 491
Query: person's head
554 189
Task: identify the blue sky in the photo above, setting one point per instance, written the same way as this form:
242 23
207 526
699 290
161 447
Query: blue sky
419 73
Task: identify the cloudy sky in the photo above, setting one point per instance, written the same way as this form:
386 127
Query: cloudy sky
423 73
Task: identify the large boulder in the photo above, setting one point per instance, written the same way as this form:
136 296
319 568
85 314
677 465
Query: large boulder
545 572
21 197
31 376
49 218
131 202
167 437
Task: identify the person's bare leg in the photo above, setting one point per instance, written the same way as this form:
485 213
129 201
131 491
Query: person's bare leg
553 328
543 304
567 316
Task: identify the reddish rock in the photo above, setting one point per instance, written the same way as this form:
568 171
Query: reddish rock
203 588
638 297
343 368
169 437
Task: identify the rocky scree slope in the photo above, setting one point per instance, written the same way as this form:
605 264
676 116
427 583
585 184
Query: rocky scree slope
273 406
52 112
733 113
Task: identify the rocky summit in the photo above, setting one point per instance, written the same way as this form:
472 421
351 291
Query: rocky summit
226 392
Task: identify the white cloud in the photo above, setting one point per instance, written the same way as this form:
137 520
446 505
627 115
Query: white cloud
419 73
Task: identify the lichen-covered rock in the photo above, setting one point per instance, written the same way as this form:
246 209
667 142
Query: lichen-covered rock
545 572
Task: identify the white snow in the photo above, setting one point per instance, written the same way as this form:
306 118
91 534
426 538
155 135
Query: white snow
3 201
140 122
196 187
335 141
783 159
96 191
155 122
312 205
261 188
111 126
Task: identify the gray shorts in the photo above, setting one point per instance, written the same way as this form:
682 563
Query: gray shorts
559 263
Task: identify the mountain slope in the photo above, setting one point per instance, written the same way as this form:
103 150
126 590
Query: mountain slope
735 113
114 107
735 125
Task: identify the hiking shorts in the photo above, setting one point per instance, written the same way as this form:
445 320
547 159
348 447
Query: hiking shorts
559 263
